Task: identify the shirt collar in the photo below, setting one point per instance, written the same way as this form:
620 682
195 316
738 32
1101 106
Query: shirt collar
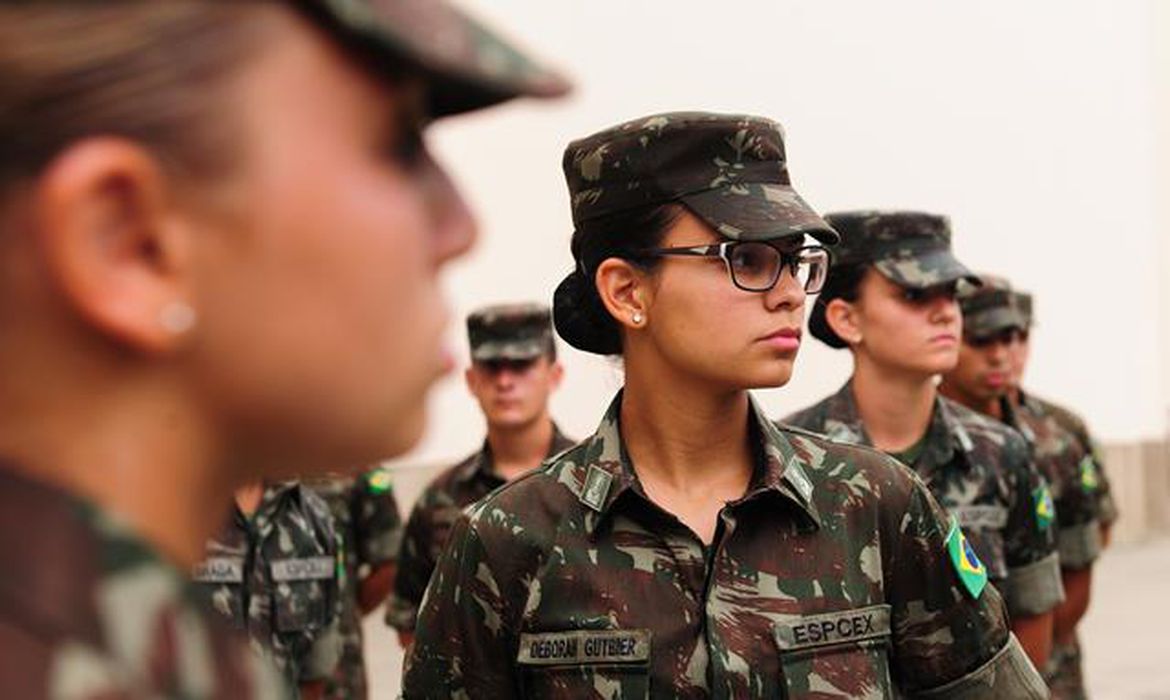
481 465
605 473
944 435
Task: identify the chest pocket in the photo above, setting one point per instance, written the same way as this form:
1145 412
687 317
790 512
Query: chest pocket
221 580
585 664
841 654
304 592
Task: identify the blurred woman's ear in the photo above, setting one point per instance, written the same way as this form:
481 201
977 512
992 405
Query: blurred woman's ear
621 286
842 318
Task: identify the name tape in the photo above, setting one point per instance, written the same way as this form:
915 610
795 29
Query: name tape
307 569
578 647
219 570
981 517
834 628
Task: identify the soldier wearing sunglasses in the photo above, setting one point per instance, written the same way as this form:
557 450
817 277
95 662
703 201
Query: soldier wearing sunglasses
891 300
690 548
513 374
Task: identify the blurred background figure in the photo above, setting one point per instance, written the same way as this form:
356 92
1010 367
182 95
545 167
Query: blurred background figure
275 572
221 233
366 517
513 374
890 299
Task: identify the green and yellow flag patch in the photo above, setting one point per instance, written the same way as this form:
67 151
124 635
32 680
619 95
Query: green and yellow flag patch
971 571
1045 508
1090 479
378 481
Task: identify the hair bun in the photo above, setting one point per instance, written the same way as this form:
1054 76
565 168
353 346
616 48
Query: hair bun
581 319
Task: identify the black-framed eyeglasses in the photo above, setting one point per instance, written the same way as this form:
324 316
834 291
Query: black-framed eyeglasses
756 266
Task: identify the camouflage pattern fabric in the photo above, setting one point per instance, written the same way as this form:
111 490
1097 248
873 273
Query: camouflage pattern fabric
365 515
90 612
828 578
910 248
276 576
729 170
434 514
1066 465
1064 676
991 308
1073 423
981 471
467 65
510 332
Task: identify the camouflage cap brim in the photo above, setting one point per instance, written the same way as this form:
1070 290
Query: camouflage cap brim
990 322
467 65
525 350
759 211
925 269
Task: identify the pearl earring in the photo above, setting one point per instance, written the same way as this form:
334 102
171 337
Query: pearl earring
637 318
177 317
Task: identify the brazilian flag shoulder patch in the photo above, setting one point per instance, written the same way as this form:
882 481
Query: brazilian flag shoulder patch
1045 508
971 571
378 481
1090 479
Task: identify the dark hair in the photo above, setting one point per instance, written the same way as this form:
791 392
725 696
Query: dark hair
579 315
844 282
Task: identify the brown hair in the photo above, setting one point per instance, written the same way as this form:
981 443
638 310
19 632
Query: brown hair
154 72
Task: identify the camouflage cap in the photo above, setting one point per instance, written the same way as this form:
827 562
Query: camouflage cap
911 249
990 308
510 332
1024 306
730 170
467 65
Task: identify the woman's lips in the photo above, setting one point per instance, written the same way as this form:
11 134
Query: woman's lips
945 339
786 339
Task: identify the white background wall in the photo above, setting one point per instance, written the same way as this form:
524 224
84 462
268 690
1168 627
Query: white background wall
1036 126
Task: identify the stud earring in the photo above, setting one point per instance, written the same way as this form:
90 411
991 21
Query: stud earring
177 317
637 318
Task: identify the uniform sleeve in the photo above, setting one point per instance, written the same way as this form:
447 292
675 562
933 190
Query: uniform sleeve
1078 510
416 562
463 645
948 640
377 523
1033 584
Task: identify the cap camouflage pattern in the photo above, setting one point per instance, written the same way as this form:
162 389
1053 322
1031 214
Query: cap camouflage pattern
730 170
467 65
990 308
1024 307
911 249
510 332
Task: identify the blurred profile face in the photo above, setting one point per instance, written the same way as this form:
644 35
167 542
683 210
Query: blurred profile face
1020 350
913 331
986 366
699 322
319 303
514 394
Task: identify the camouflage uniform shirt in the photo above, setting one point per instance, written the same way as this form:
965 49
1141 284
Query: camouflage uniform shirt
828 578
1069 470
430 522
366 517
1076 425
981 471
275 575
89 611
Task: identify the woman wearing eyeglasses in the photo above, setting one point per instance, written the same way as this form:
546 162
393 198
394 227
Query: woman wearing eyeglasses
690 548
890 299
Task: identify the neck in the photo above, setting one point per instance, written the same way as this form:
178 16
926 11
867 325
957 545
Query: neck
895 407
685 435
981 404
131 450
517 450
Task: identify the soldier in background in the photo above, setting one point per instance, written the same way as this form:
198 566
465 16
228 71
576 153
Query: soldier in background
890 299
204 210
274 570
513 374
365 514
690 548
